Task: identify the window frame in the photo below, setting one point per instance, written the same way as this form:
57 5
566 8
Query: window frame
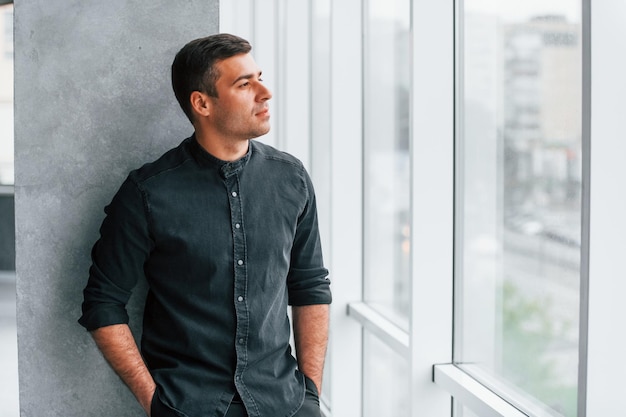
432 180
430 335
604 345
346 194
464 387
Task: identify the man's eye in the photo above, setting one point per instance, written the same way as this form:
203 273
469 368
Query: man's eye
245 84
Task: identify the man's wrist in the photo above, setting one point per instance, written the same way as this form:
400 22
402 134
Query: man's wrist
146 402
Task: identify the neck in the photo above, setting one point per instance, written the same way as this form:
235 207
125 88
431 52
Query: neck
226 149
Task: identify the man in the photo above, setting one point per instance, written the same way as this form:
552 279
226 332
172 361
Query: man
225 231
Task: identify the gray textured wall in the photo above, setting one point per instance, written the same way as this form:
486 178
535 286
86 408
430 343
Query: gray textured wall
92 101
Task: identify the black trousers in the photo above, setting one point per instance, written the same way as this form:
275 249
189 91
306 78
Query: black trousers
310 407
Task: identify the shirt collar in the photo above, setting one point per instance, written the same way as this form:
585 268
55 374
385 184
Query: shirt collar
226 168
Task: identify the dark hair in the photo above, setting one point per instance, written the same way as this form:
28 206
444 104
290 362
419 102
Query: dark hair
194 69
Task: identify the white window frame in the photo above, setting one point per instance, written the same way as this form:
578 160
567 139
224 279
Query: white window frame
468 390
346 210
606 341
604 225
429 339
432 201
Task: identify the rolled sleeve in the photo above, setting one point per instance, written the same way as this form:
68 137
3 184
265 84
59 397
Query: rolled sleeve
308 281
118 258
309 287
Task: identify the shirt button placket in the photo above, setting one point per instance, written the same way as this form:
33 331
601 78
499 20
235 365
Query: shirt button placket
240 278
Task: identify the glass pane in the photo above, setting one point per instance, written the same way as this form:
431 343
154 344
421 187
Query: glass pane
9 397
6 95
518 192
462 411
386 380
386 152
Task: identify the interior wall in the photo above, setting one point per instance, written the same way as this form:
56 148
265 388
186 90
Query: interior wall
92 101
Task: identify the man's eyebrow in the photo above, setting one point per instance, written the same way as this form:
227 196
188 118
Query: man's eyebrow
247 77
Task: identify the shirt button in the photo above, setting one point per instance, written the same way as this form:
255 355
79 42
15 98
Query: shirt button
241 341
240 262
237 226
240 298
234 194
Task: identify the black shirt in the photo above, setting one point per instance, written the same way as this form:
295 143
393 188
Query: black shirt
225 247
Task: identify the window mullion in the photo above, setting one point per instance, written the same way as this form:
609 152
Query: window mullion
432 201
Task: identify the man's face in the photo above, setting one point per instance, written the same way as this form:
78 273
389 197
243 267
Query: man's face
240 111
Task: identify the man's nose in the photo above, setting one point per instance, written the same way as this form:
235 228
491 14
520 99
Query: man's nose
264 93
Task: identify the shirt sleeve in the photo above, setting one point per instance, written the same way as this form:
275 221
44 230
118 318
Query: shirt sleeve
308 281
118 258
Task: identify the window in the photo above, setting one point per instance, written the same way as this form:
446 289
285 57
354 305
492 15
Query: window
518 188
6 95
518 193
7 200
387 158
9 401
386 378
387 201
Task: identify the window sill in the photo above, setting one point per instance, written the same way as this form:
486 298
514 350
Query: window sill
472 394
383 328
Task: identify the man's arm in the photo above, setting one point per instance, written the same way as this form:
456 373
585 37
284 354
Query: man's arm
119 348
310 328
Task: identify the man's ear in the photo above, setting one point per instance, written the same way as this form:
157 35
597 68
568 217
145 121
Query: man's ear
200 103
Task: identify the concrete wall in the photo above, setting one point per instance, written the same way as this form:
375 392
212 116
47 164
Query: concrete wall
92 101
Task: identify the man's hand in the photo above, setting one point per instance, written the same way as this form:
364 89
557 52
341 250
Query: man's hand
310 328
119 348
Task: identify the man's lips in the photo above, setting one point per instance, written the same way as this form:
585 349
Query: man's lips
263 112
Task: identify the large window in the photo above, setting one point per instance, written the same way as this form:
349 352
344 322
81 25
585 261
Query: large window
518 193
385 115
387 159
9 401
6 95
387 199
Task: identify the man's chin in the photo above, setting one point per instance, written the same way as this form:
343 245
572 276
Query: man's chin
261 132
